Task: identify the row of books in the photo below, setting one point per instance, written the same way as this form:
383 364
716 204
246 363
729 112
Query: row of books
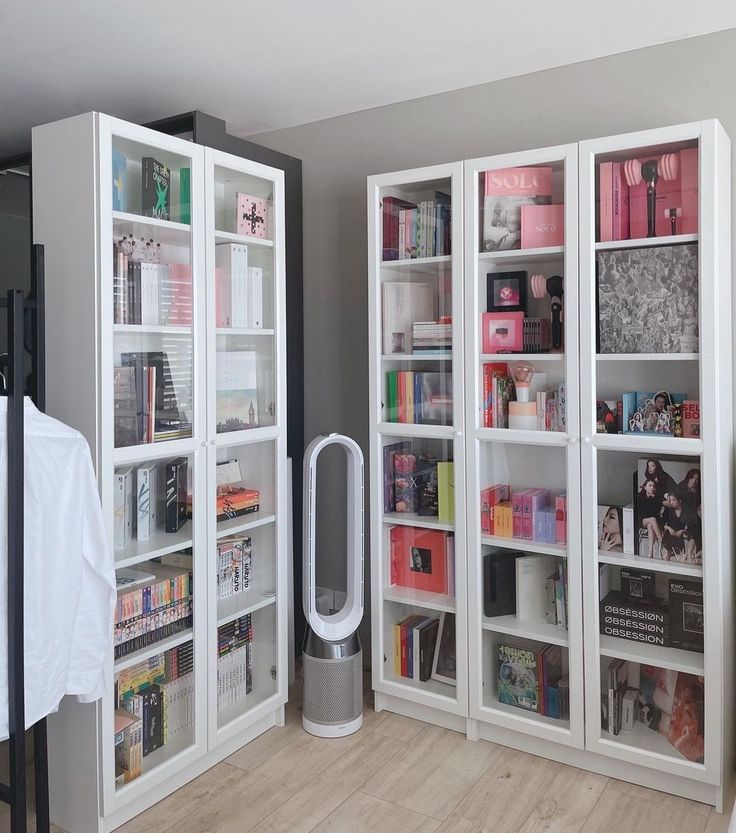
155 188
419 397
234 563
149 497
533 678
415 638
529 587
663 520
422 559
418 482
411 230
637 613
234 661
238 288
234 498
530 514
146 404
670 703
159 695
432 337
623 210
499 390
652 412
153 294
158 606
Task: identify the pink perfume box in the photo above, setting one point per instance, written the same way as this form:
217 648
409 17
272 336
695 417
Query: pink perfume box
534 500
251 216
542 225
503 332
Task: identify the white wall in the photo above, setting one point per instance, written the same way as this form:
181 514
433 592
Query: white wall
679 82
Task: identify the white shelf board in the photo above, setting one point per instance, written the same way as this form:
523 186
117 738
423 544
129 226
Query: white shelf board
228 714
524 255
648 443
621 559
646 242
162 231
243 239
152 650
243 331
243 523
240 604
537 629
525 717
403 429
430 265
517 357
163 755
417 357
412 519
246 436
515 435
674 658
131 454
419 598
522 545
435 687
160 543
644 739
155 329
647 357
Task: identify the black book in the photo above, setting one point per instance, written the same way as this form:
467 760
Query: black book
176 494
638 585
152 720
134 292
427 642
167 414
499 584
686 614
155 196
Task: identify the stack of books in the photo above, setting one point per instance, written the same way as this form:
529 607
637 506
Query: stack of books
432 337
234 559
234 661
532 677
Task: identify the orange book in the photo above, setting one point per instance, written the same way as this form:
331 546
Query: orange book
233 500
419 558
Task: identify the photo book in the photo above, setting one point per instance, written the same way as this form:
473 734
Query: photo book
237 391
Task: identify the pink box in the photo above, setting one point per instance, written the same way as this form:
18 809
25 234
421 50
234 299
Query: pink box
605 201
503 332
251 216
561 518
534 500
517 512
489 498
679 193
542 225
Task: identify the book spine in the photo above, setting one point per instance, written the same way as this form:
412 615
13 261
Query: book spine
256 297
605 172
239 286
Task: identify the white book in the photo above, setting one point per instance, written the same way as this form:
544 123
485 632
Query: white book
628 531
232 260
255 290
531 592
403 304
145 478
123 507
149 293
164 294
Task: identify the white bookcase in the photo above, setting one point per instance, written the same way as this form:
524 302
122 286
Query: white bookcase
591 468
75 219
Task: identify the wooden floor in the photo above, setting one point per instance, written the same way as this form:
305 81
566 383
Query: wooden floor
402 776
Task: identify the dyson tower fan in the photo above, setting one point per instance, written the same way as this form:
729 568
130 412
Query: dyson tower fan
332 657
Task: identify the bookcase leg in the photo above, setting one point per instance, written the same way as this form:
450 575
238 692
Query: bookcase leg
471 730
377 701
280 716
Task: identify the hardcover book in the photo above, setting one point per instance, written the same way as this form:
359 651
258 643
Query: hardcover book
237 391
648 300
390 207
419 558
175 473
506 190
146 479
542 225
686 614
119 181
517 677
155 194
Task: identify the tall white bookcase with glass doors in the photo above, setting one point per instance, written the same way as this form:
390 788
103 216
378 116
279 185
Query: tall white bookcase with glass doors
682 741
210 417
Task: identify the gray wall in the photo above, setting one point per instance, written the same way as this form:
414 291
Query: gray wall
662 85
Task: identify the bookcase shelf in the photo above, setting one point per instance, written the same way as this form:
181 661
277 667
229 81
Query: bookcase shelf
528 721
402 429
523 256
524 545
412 519
537 629
646 242
206 378
515 357
649 741
416 357
673 658
419 598
512 435
427 265
647 357
675 568
648 443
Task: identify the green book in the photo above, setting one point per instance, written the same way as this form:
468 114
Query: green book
185 195
393 410
446 492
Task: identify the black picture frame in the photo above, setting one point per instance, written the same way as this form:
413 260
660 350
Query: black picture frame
513 284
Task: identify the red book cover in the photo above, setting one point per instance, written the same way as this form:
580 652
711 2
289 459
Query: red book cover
490 371
419 558
691 418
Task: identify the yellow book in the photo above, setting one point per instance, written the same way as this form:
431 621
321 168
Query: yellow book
446 492
409 395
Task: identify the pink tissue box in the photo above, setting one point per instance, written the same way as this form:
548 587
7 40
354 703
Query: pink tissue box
542 225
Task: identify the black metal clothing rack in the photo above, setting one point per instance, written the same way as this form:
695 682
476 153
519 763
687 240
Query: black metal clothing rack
26 334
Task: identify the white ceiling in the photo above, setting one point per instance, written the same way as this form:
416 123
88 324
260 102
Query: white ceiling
265 65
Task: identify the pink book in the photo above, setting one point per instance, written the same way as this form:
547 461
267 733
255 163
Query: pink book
689 184
534 500
517 512
542 225
518 182
251 216
223 298
620 204
605 201
669 196
180 286
561 518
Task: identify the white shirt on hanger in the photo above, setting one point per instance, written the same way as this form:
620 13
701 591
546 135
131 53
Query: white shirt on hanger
69 570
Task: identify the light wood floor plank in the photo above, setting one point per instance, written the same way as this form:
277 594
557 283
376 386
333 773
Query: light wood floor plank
718 822
435 772
398 727
330 788
252 755
363 813
567 802
627 807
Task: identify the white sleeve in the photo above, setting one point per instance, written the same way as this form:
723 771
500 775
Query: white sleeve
93 624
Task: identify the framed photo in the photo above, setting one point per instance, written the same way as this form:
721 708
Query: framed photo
506 291
503 332
444 665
